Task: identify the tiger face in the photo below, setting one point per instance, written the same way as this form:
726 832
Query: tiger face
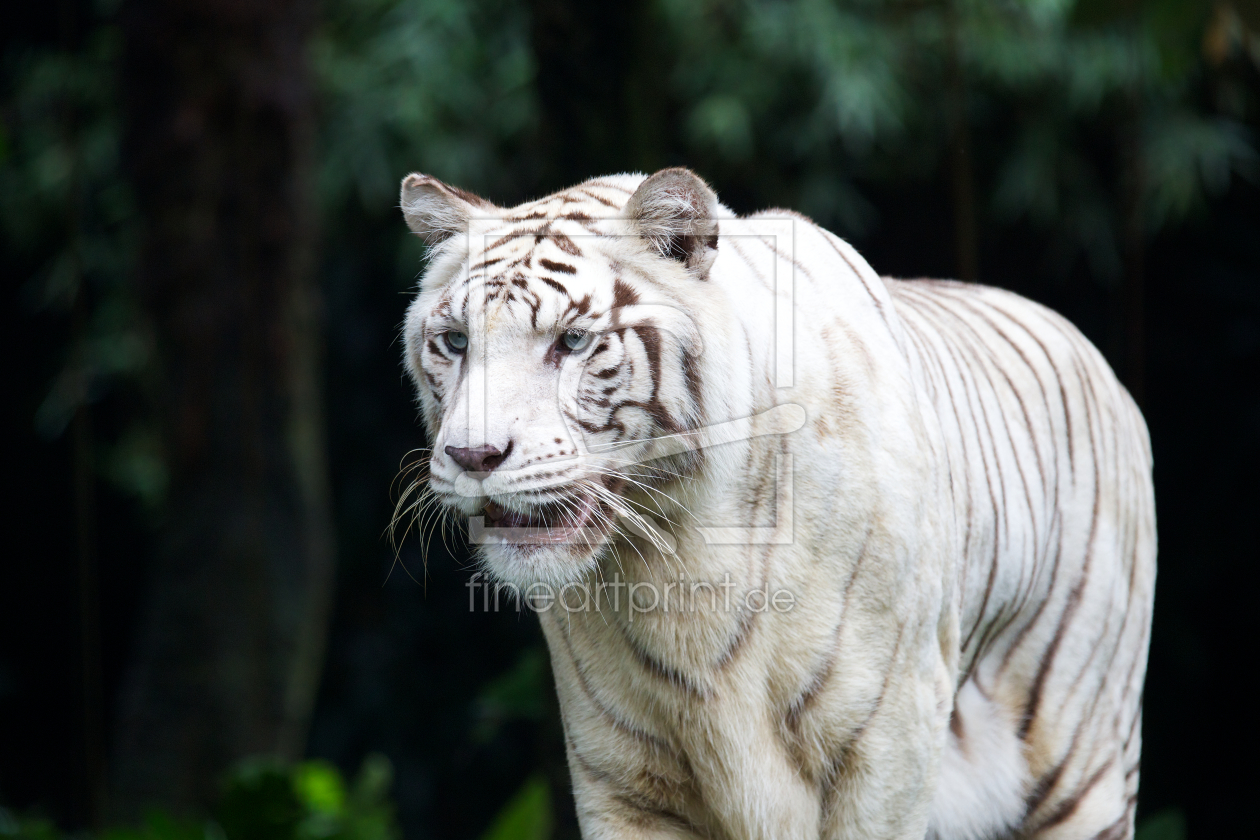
551 354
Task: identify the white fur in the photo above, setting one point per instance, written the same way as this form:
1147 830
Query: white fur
983 777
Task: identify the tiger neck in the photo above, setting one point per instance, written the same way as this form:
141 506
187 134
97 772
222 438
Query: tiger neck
692 556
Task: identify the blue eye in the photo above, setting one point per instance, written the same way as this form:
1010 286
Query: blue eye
456 341
575 340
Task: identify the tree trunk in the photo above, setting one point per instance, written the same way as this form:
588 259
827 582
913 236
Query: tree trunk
219 135
84 478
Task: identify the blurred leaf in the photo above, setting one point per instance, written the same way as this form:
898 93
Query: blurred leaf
264 798
1166 825
369 814
526 816
135 464
259 802
520 692
1189 157
12 826
722 121
371 786
319 787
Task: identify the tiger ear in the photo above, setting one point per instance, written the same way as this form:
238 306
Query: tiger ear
436 211
676 212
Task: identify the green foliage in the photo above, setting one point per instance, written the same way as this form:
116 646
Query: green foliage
442 86
264 799
68 221
438 86
527 815
874 90
310 801
802 102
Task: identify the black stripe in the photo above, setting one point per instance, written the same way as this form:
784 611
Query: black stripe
598 198
555 285
552 265
614 720
819 680
661 671
1067 807
623 294
1074 596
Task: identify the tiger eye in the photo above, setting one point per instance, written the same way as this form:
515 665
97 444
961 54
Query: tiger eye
456 341
575 340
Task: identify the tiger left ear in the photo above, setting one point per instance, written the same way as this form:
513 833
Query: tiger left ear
676 212
435 210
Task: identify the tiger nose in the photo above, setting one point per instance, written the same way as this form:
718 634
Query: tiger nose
482 458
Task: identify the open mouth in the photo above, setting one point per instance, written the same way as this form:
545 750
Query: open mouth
557 522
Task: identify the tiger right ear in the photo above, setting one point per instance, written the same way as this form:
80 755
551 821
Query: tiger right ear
676 212
436 211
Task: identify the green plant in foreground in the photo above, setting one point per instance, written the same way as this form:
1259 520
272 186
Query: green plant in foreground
526 816
264 799
310 801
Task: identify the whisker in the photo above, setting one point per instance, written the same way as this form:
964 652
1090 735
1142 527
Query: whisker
601 491
619 505
650 490
413 509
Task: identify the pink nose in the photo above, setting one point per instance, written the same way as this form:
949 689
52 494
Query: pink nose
482 458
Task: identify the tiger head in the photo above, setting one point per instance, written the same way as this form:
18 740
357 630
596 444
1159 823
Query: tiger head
554 346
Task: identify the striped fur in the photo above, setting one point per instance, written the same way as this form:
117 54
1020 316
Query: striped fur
970 549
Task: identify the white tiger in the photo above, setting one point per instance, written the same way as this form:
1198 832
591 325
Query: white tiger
947 492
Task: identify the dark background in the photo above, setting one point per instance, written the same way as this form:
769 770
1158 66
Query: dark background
1125 199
